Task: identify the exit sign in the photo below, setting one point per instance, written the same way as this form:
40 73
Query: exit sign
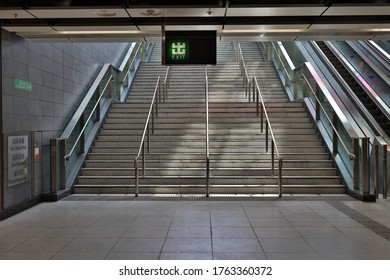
23 85
189 47
179 50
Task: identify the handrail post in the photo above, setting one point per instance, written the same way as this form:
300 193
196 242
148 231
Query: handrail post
335 122
54 154
82 138
148 136
365 159
262 119
152 119
376 177
62 163
207 177
280 176
266 136
136 177
97 117
385 175
318 107
257 97
143 159
356 173
273 157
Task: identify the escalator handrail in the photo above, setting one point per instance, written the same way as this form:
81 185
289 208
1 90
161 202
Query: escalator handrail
369 90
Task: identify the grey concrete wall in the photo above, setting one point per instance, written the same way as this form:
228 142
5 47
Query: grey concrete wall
60 74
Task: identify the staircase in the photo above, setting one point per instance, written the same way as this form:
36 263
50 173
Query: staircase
378 115
110 162
176 163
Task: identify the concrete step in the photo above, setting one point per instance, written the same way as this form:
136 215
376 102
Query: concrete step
214 189
199 171
214 180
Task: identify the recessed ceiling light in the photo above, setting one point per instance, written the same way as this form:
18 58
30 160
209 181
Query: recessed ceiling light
151 13
105 13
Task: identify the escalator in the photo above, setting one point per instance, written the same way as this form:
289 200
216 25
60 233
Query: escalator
359 91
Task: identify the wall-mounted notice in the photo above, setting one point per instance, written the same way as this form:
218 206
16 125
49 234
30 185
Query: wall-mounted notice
17 159
23 85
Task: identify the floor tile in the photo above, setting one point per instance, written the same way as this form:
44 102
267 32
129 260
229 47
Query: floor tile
127 245
229 222
186 245
132 256
186 256
7 244
239 256
228 214
343 222
112 221
267 213
42 245
316 233
336 246
190 222
346 256
233 232
269 222
308 223
151 222
105 232
27 256
236 245
80 256
146 232
285 246
276 232
100 245
189 232
293 256
204 214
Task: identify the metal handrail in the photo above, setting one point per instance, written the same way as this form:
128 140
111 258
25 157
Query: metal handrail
207 134
153 110
366 87
131 66
274 146
167 82
244 72
351 155
67 156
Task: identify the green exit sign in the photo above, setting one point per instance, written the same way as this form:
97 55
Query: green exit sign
179 50
23 85
189 47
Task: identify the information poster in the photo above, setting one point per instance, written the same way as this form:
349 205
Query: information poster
17 159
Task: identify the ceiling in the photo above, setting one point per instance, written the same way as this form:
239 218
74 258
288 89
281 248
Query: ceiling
235 20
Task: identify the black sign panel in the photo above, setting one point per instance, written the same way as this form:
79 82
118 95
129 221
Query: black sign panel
189 47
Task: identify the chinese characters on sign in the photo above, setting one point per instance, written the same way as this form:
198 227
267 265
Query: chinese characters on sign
17 159
23 85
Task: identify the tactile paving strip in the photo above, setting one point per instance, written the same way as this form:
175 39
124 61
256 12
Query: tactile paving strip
203 198
365 221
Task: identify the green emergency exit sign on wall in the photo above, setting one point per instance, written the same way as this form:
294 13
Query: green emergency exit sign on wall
23 85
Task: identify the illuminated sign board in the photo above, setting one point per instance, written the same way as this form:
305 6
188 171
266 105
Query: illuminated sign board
189 47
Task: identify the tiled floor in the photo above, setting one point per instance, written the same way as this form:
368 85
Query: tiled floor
200 229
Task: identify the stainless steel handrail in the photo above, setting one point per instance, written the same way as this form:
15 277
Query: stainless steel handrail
167 82
150 116
67 156
153 110
319 103
372 122
244 72
131 66
274 146
207 134
367 88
